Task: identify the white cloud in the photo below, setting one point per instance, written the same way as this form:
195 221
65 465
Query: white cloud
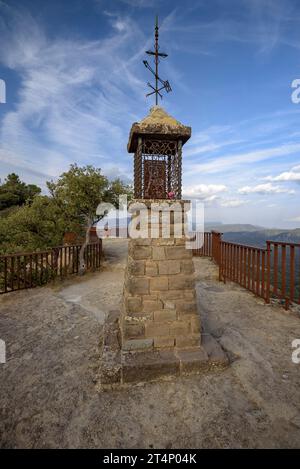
232 203
120 25
267 188
296 219
205 192
292 175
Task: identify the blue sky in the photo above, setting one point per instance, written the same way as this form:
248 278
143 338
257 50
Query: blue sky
75 83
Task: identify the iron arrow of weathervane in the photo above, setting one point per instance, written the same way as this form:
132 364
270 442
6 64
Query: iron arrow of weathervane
165 83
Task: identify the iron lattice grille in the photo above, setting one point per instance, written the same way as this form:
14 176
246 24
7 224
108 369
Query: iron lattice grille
157 169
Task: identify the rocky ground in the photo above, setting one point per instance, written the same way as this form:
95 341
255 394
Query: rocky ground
49 393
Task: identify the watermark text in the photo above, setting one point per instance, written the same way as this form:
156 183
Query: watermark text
2 352
2 92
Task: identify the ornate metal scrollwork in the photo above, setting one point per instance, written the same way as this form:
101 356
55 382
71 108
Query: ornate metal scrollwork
157 169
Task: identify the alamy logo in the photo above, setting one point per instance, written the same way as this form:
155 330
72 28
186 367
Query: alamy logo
165 218
2 351
2 92
296 352
295 97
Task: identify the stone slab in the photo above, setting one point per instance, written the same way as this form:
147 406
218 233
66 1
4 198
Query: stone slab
149 366
193 360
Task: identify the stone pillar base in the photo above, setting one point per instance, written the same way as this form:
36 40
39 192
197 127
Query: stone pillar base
159 301
158 332
122 368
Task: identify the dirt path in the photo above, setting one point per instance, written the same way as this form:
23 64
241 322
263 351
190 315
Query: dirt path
98 293
48 387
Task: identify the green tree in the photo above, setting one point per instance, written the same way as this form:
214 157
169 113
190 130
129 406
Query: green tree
71 206
14 192
77 194
32 227
115 189
8 199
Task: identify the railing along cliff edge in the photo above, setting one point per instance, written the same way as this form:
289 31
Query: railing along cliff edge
28 270
271 272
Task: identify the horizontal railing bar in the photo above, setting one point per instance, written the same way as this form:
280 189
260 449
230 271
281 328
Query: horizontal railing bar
48 251
281 243
244 246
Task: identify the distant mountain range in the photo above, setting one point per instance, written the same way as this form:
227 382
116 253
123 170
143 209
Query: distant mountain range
254 235
232 228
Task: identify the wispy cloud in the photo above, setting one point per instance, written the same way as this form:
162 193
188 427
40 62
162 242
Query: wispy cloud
267 188
233 160
233 203
74 95
78 96
209 147
263 24
142 3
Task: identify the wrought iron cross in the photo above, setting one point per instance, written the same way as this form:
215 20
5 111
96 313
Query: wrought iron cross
158 81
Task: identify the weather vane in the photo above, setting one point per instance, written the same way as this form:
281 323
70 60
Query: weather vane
159 83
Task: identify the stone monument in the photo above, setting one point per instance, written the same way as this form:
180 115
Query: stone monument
160 310
157 333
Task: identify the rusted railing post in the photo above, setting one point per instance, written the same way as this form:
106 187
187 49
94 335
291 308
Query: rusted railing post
268 282
206 244
292 272
284 272
216 246
221 275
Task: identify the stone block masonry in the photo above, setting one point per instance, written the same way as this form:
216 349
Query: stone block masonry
158 333
146 359
160 307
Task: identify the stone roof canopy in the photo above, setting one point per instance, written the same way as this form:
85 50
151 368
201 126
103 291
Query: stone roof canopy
158 123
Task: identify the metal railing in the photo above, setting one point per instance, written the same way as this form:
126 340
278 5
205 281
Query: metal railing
209 245
27 270
273 272
284 271
245 265
204 241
